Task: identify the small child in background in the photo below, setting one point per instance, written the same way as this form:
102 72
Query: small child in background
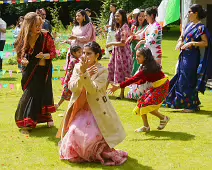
150 101
73 58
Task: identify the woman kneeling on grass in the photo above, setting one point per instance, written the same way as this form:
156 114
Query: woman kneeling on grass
91 127
150 101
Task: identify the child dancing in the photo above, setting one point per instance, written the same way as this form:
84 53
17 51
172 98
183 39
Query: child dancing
150 101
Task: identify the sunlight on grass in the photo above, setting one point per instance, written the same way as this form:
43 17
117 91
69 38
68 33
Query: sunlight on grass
185 143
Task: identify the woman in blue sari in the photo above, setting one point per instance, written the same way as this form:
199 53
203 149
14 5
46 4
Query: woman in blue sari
194 62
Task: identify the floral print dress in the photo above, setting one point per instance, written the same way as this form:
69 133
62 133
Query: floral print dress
121 63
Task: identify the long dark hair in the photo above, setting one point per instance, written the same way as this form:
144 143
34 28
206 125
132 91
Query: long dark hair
149 65
124 18
22 42
95 47
137 22
74 49
198 8
83 13
152 11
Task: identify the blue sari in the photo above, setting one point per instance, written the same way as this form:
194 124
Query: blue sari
193 71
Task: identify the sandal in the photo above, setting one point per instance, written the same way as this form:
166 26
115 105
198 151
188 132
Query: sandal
25 130
143 129
50 124
163 123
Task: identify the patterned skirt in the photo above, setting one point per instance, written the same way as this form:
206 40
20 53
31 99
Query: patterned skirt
136 91
84 143
153 98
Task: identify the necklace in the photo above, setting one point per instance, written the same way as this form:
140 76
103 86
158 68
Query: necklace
191 25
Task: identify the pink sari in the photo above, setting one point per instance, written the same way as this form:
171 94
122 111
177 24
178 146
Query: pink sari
84 142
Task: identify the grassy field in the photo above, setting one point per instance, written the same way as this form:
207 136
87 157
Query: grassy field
186 142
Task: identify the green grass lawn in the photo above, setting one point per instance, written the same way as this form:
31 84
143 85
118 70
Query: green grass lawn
186 142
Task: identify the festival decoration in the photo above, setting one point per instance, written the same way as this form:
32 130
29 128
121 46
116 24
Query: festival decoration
30 1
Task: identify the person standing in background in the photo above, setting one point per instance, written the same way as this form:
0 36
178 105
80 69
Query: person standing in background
121 63
3 26
46 25
111 29
88 12
132 17
17 31
18 27
152 37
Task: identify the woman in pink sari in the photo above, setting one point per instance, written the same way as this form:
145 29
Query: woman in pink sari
83 32
91 127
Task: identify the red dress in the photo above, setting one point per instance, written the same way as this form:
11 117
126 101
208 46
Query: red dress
66 95
153 98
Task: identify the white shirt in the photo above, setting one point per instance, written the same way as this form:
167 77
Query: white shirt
3 24
16 32
110 22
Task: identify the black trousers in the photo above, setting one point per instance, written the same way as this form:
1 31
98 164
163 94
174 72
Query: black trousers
2 43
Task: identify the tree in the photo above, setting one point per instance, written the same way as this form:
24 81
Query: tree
127 5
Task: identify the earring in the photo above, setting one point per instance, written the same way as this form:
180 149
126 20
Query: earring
84 19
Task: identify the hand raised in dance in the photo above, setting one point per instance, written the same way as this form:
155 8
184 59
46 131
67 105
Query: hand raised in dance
109 45
73 37
139 44
129 39
83 64
65 42
92 70
24 62
39 55
113 89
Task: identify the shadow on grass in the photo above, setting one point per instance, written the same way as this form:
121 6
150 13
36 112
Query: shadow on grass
130 164
204 112
172 35
124 99
43 131
201 112
166 135
8 79
169 74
